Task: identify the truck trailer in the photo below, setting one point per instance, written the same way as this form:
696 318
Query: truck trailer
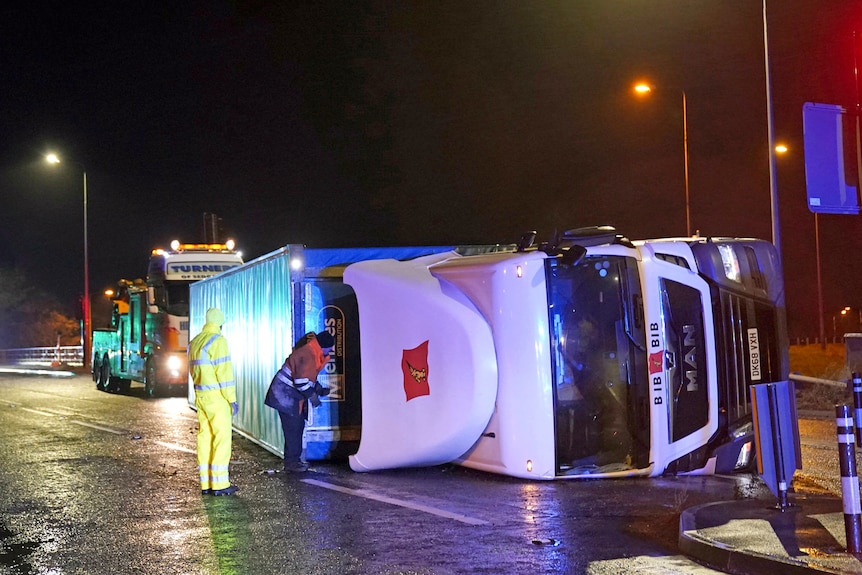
585 356
149 332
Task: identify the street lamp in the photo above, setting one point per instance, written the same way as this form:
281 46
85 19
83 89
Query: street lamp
644 89
770 138
55 159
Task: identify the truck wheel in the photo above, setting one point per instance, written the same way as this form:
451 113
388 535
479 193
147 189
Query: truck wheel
97 371
113 383
151 383
104 375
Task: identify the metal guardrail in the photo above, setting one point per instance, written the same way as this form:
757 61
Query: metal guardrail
71 355
828 382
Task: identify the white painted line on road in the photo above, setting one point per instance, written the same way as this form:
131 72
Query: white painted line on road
37 412
175 446
398 502
75 421
61 412
646 565
45 413
99 427
48 372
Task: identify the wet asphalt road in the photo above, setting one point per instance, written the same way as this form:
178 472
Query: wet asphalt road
97 483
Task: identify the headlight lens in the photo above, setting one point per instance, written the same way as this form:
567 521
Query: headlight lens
744 457
731 264
174 362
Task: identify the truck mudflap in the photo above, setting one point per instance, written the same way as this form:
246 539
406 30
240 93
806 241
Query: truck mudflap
429 370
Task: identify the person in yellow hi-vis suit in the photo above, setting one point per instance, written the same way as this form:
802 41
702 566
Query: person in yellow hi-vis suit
215 399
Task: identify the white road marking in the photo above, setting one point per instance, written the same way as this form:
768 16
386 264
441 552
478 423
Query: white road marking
37 412
398 502
75 421
645 565
99 427
62 413
176 447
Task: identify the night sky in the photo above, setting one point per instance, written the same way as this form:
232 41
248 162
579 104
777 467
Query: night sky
412 122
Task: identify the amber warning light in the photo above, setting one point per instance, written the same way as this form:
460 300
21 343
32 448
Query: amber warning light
177 247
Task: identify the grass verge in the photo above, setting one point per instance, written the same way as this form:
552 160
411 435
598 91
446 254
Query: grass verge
821 362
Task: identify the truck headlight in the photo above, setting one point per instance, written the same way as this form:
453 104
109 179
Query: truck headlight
730 262
744 457
174 362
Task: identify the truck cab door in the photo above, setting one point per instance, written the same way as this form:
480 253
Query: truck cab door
685 406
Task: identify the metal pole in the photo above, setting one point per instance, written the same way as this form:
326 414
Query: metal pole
86 310
685 154
773 188
819 282
857 405
849 481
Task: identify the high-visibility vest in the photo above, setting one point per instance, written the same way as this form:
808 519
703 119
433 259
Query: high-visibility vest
210 365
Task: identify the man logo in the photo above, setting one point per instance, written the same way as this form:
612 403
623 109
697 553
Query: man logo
414 365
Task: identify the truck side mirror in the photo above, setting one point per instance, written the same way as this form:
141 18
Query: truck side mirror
573 255
527 240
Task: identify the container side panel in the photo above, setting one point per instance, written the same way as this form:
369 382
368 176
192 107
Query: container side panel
256 301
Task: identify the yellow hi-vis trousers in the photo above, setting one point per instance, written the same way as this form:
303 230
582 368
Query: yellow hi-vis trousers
214 439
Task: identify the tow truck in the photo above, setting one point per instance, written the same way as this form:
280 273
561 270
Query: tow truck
149 332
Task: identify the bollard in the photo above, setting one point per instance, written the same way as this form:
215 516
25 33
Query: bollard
857 404
849 481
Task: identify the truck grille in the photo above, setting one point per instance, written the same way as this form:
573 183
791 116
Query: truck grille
735 318
733 359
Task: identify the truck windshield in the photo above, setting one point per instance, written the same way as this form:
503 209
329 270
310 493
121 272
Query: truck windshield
177 298
599 364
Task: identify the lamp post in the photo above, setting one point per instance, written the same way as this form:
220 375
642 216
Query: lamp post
55 159
770 136
644 89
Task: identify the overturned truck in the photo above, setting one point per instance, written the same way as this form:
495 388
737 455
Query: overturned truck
586 356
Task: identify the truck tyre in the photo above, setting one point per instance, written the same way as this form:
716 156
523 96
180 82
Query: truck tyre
151 383
96 369
113 383
104 374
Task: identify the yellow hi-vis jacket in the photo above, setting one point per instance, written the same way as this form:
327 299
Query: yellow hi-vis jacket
210 365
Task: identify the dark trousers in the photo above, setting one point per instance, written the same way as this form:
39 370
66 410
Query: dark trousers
292 424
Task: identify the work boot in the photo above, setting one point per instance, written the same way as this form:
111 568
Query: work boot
206 491
297 467
226 491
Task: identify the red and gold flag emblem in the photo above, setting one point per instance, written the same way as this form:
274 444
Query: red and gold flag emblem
656 362
414 364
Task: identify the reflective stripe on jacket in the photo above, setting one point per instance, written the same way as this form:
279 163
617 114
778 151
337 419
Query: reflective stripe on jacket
210 365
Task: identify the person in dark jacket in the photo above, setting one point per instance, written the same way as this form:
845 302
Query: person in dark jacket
300 372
